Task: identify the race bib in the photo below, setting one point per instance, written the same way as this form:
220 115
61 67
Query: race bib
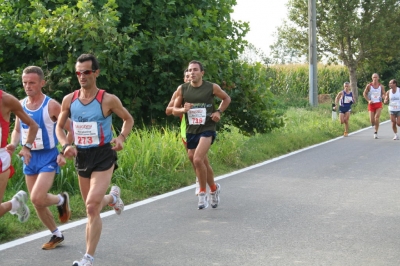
197 116
38 143
394 105
375 96
86 133
348 99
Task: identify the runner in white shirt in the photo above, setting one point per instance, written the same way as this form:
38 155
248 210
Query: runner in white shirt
374 93
393 98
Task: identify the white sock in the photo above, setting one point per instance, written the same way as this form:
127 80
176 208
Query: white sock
61 198
57 233
14 205
89 257
114 199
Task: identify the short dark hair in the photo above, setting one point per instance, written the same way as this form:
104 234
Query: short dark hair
184 72
394 81
34 69
89 57
197 62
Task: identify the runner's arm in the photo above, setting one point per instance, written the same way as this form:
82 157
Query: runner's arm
365 93
62 118
15 137
170 107
178 110
54 112
387 97
118 109
338 97
221 94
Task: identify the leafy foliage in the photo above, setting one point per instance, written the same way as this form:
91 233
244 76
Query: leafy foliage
143 47
254 110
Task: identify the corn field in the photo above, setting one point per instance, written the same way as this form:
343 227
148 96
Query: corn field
294 79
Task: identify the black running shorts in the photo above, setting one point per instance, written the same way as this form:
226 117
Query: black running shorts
95 159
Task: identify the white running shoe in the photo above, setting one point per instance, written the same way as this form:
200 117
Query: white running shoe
215 196
83 262
23 210
203 201
119 204
395 137
375 136
197 190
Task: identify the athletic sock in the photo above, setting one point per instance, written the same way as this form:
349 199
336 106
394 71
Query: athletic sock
61 200
57 233
213 188
89 257
14 205
114 199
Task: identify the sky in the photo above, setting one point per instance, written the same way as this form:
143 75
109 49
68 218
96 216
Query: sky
264 16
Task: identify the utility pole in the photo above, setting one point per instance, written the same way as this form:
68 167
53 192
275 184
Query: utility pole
312 40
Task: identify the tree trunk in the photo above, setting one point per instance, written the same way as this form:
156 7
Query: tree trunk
353 80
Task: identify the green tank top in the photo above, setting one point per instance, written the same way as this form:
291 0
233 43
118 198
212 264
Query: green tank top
198 117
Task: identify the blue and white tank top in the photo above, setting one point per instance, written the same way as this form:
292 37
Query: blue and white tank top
347 99
394 100
46 135
91 128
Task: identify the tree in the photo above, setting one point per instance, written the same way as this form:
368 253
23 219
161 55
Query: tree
282 54
143 47
350 31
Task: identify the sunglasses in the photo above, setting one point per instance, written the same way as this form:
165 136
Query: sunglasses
86 72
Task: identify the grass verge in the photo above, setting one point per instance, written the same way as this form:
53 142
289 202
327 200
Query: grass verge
154 161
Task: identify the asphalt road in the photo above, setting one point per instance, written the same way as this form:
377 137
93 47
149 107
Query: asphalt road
331 204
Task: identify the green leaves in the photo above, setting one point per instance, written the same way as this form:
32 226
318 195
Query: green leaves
142 46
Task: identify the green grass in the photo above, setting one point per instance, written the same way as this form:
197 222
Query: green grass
154 161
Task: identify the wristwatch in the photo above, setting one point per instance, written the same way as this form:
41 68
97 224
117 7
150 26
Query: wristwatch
28 145
219 111
64 147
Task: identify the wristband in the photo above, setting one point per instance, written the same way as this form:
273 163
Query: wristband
123 136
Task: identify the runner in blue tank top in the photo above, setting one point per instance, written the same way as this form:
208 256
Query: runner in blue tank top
346 99
95 148
45 161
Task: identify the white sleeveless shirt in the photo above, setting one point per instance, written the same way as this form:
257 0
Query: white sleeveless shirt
375 95
394 100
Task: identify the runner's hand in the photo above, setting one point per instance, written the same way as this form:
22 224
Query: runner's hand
25 153
70 152
216 116
61 161
117 143
10 148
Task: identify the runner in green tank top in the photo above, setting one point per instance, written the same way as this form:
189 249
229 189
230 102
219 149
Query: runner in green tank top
168 111
196 100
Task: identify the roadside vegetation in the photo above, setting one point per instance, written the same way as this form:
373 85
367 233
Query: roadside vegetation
144 47
154 160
